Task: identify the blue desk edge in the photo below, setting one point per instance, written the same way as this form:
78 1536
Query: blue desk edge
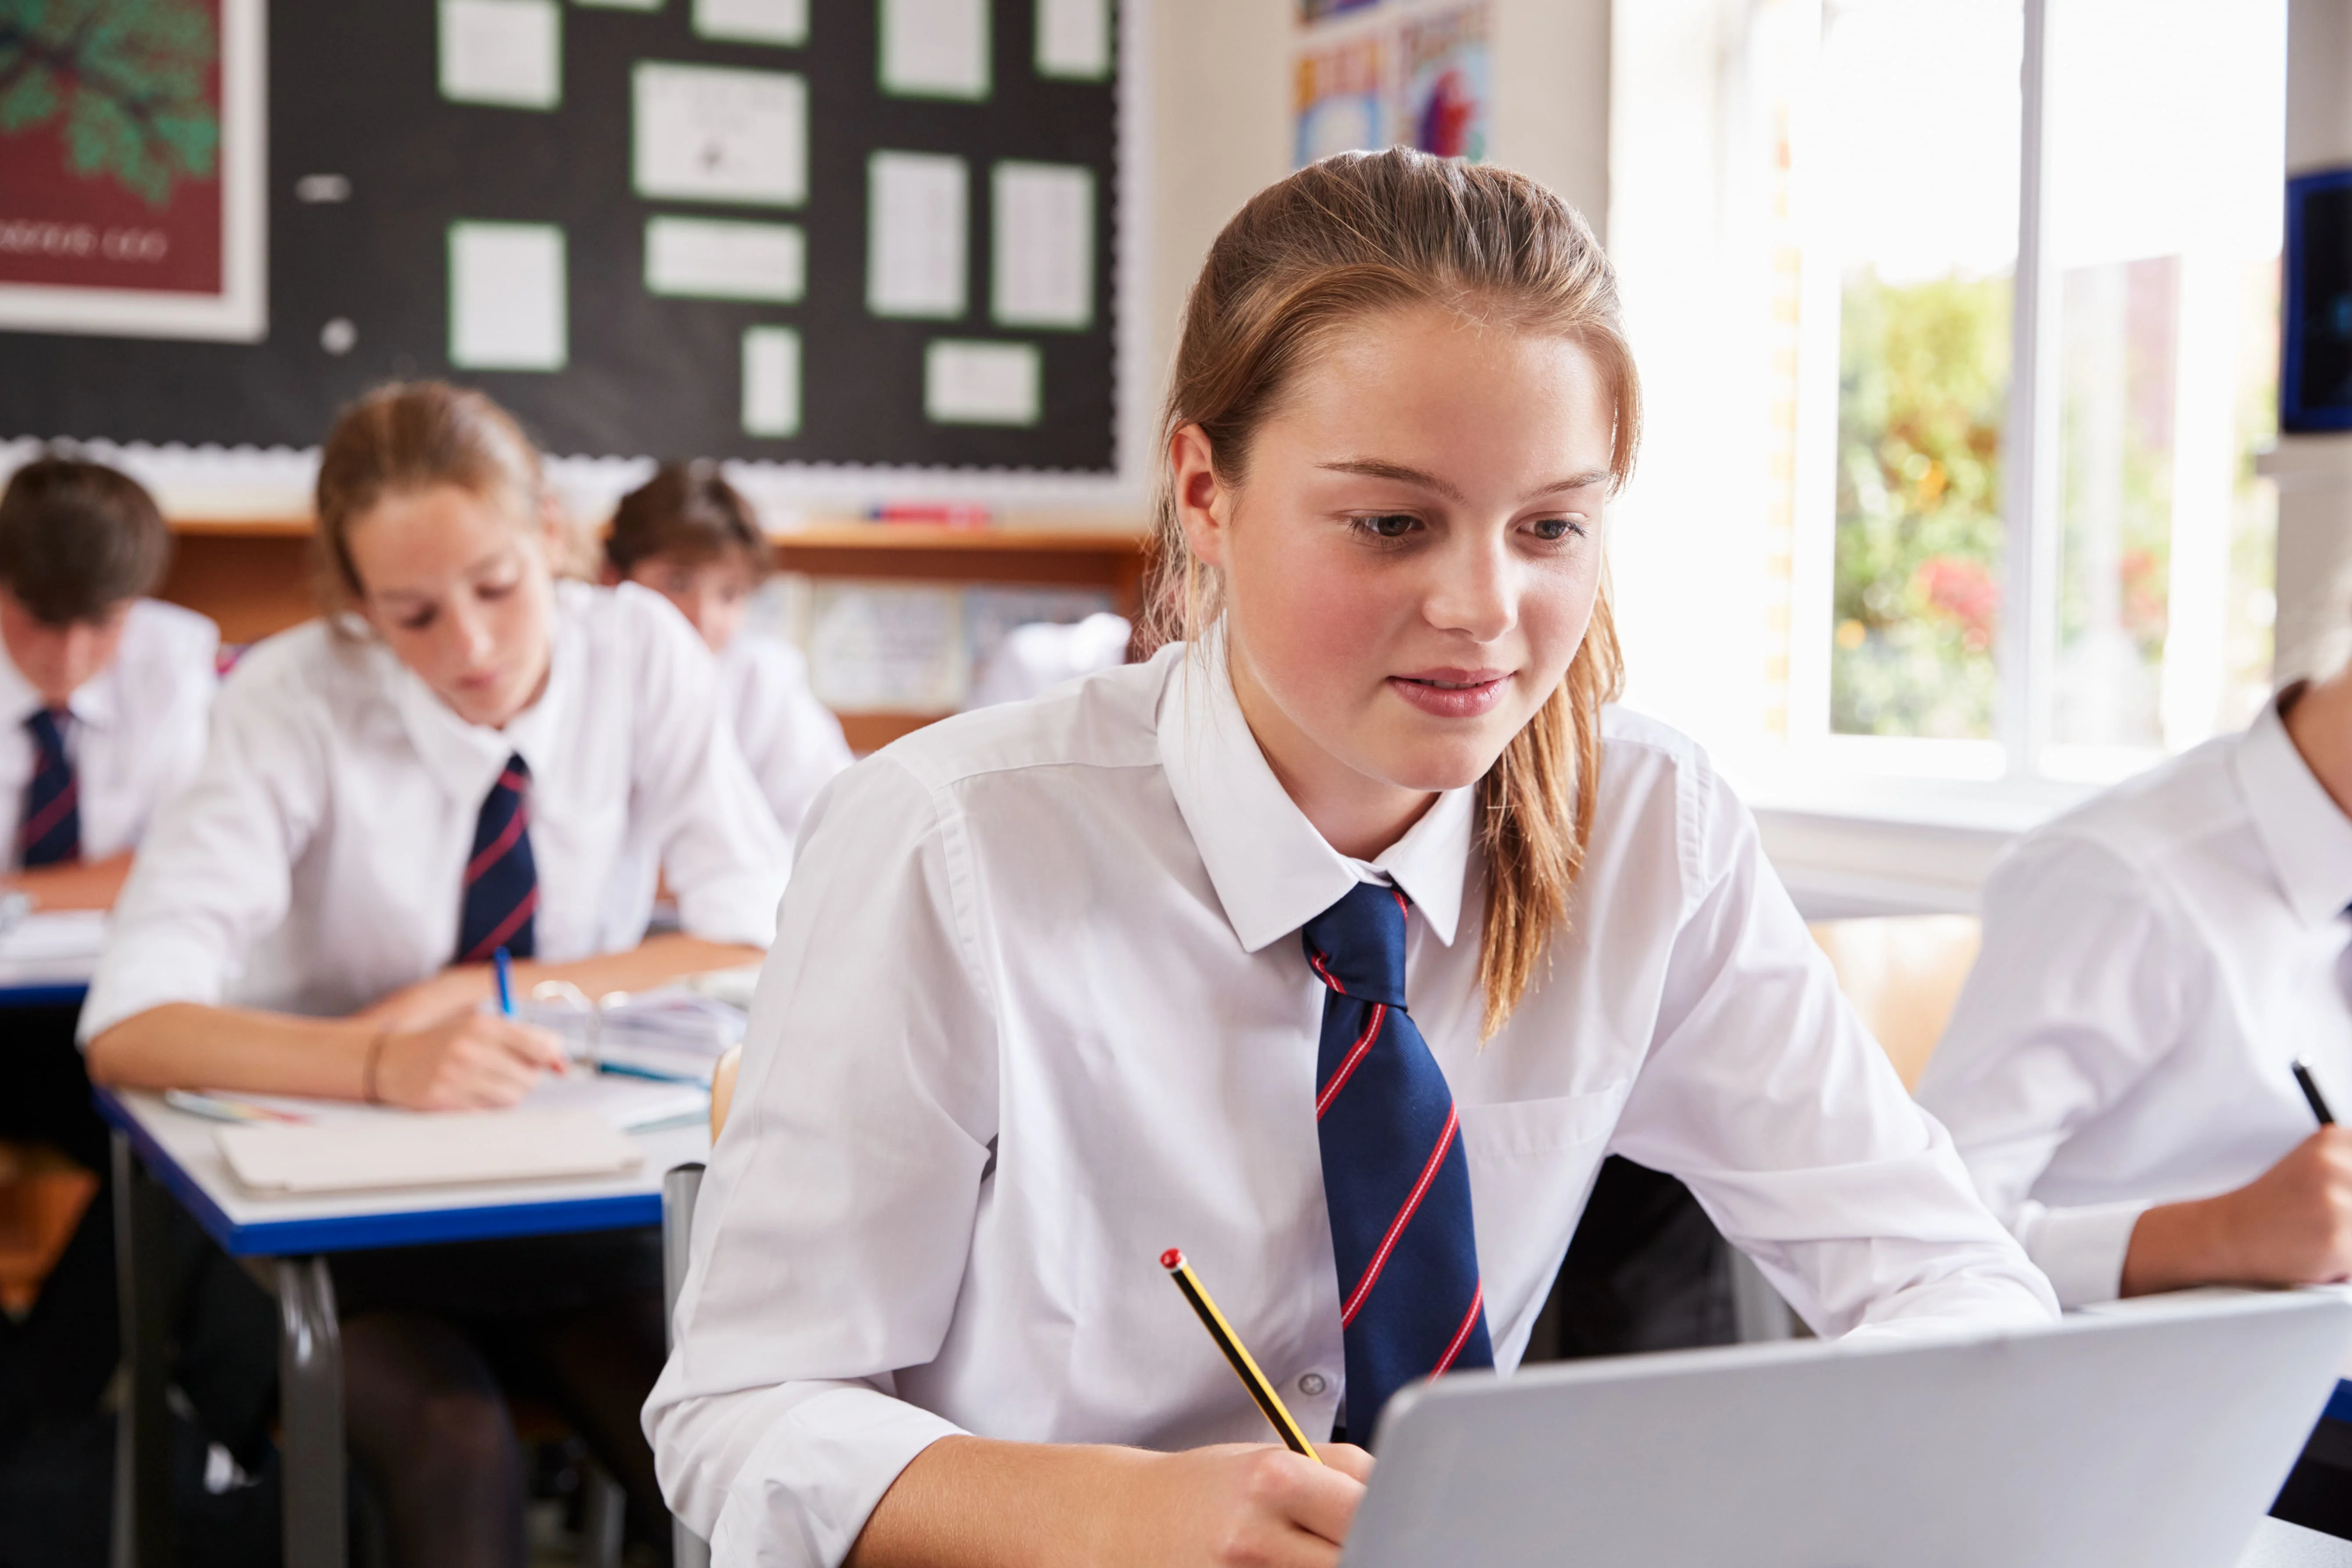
356 1233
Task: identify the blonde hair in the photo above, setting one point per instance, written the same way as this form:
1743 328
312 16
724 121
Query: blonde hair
409 437
1362 234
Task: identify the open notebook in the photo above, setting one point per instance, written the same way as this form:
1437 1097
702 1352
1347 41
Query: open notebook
575 1125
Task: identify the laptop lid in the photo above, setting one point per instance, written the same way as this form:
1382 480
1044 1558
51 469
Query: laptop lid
2154 1436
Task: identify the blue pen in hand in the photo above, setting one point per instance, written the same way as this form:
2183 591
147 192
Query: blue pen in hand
505 966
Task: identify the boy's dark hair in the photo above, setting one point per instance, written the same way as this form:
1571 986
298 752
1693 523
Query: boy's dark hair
689 511
78 539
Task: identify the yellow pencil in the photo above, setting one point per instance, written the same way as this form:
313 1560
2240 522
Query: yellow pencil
1235 1351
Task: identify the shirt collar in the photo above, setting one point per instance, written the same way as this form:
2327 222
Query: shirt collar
2308 836
1273 872
464 758
92 702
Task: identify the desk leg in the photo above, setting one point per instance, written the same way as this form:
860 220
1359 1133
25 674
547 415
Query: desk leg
310 1412
142 1435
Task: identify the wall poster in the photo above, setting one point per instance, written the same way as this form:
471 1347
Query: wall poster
132 199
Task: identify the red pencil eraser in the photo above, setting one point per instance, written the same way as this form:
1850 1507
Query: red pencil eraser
1172 1260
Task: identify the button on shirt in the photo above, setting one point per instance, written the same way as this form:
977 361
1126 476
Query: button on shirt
138 729
1038 1010
2153 964
316 862
791 741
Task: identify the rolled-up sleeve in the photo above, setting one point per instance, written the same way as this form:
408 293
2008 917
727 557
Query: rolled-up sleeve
213 875
722 851
1766 1096
2077 994
835 1219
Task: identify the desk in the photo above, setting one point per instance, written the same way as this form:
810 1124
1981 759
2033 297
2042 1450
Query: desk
162 1156
2277 1544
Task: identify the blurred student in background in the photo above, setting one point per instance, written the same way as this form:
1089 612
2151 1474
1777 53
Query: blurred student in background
464 756
692 537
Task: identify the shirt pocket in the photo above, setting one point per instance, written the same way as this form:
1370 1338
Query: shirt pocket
1511 1130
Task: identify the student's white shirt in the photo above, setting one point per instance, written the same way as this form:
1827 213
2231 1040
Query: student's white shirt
317 861
1038 1010
2153 964
791 741
138 729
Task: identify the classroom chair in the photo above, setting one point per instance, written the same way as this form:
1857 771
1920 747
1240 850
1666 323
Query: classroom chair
1903 974
680 1189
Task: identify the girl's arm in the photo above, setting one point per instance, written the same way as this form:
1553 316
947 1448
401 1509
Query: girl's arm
463 1060
966 1503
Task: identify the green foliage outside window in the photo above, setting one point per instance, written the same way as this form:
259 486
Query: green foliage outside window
123 79
1923 392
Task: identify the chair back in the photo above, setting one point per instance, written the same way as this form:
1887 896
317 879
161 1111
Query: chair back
722 1088
1902 972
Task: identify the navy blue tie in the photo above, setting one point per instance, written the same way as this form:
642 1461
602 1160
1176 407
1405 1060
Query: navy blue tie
502 881
48 830
1394 1176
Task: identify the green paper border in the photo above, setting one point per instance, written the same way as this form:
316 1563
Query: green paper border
636 171
1037 409
996 230
872 217
1110 52
761 40
441 67
800 373
449 293
795 298
987 60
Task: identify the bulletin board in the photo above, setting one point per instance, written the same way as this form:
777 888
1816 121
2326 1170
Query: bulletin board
875 233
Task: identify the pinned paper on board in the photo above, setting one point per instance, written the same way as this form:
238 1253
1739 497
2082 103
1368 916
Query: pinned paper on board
782 22
507 297
887 648
968 382
1074 40
620 5
1042 272
771 381
916 223
1446 97
713 133
934 49
721 259
1337 100
506 53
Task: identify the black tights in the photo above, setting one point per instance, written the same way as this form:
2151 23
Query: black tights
425 1384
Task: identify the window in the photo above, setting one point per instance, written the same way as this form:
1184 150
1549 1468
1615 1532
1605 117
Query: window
1958 323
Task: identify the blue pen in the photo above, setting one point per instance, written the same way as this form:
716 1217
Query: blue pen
505 966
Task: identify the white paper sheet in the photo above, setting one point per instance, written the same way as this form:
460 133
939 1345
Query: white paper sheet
935 48
1042 271
507 297
709 133
771 381
982 383
915 239
886 648
720 258
427 1151
1073 38
620 5
504 52
754 21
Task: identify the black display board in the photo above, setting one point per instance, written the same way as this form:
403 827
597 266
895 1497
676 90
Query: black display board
353 91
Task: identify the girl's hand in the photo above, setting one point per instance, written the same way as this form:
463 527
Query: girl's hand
429 1001
1240 1505
467 1061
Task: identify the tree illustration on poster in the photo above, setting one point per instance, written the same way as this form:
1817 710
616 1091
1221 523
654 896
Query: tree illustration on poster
124 83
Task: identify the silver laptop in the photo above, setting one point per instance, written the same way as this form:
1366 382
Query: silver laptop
2150 1436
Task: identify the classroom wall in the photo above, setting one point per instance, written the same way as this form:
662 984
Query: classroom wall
2313 473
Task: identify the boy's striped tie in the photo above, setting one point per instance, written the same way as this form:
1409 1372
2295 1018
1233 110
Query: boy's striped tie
501 882
49 833
1394 1176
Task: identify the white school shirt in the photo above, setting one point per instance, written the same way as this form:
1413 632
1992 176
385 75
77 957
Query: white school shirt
138 729
317 863
791 741
1038 1010
2153 964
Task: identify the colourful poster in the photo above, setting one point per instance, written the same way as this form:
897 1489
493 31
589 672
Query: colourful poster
1313 11
130 168
1338 102
1446 99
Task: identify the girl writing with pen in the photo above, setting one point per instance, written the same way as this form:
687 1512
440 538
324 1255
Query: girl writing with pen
1337 944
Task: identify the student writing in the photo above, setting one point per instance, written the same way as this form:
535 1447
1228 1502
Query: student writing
458 758
2118 1070
692 537
1336 944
